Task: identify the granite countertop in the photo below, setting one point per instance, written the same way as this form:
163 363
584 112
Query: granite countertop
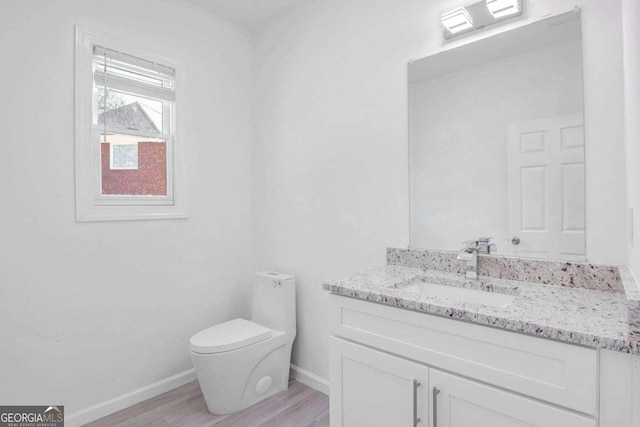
581 316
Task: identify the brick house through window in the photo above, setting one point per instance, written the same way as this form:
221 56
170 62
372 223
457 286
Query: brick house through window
147 175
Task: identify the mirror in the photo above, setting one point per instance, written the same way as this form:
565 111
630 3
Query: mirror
496 143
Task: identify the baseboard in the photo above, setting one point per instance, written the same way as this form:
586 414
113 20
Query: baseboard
636 391
116 404
310 379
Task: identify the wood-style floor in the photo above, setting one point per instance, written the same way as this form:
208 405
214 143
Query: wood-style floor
300 406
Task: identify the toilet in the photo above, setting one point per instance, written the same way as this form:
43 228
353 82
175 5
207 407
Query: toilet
241 362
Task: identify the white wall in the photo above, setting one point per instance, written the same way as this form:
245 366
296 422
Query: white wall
330 152
91 311
330 139
458 140
631 21
94 310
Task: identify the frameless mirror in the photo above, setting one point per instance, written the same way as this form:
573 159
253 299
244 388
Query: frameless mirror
496 143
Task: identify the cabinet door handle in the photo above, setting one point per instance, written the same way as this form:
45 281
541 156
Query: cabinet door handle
435 406
416 420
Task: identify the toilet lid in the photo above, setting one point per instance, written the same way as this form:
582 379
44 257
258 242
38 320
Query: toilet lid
228 336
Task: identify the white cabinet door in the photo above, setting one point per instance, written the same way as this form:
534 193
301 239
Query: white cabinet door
460 402
370 388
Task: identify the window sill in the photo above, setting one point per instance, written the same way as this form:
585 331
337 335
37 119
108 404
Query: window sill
130 213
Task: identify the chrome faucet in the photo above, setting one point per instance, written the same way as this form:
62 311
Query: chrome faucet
469 254
485 246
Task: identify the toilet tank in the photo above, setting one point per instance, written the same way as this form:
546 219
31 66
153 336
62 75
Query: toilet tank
273 302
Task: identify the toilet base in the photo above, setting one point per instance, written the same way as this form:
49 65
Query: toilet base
234 380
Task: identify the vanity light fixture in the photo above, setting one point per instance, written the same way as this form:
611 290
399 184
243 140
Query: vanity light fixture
502 8
457 20
478 16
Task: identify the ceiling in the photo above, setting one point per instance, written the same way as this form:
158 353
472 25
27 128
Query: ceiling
247 13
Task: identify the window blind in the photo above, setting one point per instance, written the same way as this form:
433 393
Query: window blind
132 74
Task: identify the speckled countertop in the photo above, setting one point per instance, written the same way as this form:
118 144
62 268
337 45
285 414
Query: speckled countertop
587 317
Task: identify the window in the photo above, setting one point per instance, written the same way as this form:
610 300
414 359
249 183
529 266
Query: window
126 148
122 156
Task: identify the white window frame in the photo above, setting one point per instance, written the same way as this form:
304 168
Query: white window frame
111 157
91 204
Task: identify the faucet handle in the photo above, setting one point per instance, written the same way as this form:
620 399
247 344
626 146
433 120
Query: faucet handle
470 245
484 239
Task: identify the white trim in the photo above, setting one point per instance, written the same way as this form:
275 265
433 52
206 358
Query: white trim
89 206
131 132
309 379
112 167
121 402
636 391
111 406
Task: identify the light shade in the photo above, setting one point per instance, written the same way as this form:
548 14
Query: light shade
502 8
457 20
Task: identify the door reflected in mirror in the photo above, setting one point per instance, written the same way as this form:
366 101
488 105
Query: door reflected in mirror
496 143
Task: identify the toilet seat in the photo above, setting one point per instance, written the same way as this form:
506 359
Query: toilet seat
227 336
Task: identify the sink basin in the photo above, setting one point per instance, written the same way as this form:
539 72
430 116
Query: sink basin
458 294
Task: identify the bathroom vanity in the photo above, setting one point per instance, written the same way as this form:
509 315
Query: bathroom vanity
536 336
529 342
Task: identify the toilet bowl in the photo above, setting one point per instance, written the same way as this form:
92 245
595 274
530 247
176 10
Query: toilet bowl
241 362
